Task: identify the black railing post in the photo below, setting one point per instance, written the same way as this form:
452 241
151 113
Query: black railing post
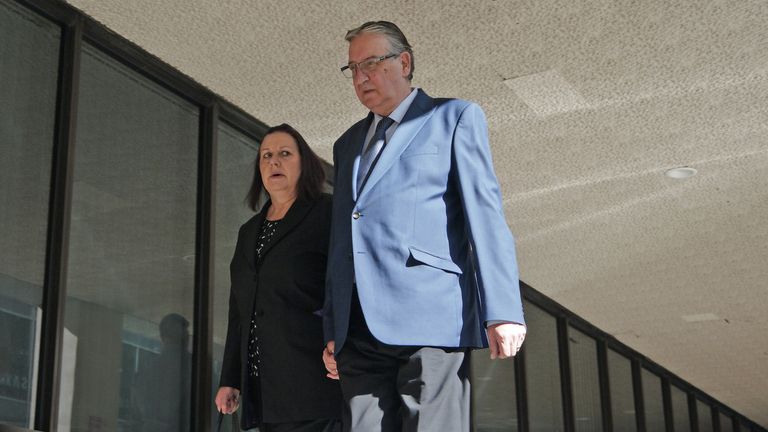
57 243
202 358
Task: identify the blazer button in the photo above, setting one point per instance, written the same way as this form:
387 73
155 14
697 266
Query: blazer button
356 215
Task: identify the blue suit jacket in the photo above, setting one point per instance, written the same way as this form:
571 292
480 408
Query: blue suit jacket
426 239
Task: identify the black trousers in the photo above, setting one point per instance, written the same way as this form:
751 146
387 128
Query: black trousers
304 426
392 388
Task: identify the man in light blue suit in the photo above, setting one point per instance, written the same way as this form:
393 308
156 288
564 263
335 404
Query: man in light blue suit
421 266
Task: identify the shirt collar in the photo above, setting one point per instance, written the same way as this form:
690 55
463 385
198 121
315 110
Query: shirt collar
399 112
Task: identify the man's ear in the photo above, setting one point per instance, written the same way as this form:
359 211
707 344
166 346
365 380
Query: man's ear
405 61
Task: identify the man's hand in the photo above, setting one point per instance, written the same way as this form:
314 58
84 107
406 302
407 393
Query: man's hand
505 339
227 400
330 360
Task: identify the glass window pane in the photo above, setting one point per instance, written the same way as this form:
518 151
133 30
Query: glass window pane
622 396
131 257
654 404
680 413
234 173
585 382
542 371
726 423
29 52
704 413
493 390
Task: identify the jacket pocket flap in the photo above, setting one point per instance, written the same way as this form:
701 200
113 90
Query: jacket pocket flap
434 261
423 149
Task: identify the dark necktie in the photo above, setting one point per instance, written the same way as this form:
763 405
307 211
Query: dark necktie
372 150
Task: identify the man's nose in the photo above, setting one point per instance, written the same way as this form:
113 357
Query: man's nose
359 77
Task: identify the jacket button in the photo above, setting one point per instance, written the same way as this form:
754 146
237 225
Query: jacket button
356 215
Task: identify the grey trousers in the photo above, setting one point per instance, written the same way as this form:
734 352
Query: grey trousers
401 388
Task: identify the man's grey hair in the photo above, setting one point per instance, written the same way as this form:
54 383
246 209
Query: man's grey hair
394 35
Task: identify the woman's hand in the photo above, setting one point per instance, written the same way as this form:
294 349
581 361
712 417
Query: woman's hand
227 400
330 361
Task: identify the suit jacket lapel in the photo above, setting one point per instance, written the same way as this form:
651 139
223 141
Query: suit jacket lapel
417 115
357 144
295 215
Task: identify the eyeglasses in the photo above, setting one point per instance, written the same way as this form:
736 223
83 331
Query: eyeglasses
366 66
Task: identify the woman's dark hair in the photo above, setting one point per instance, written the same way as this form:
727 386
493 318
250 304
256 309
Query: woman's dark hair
310 184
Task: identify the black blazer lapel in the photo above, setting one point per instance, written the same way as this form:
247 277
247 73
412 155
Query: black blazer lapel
292 218
250 235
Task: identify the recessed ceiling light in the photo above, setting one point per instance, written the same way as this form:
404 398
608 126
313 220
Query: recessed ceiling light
681 173
700 317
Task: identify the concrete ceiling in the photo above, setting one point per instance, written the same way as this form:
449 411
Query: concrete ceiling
589 103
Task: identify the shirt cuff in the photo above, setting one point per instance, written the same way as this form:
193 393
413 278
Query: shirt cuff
494 322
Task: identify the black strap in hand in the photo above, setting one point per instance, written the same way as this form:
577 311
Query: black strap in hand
235 423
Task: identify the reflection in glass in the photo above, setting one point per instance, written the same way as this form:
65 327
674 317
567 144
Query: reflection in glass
234 173
622 396
682 419
493 390
131 255
542 371
652 399
704 413
585 382
29 51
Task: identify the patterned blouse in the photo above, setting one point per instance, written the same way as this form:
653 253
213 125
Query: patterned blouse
268 230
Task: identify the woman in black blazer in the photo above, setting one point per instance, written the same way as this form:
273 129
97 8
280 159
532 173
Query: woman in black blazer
272 362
